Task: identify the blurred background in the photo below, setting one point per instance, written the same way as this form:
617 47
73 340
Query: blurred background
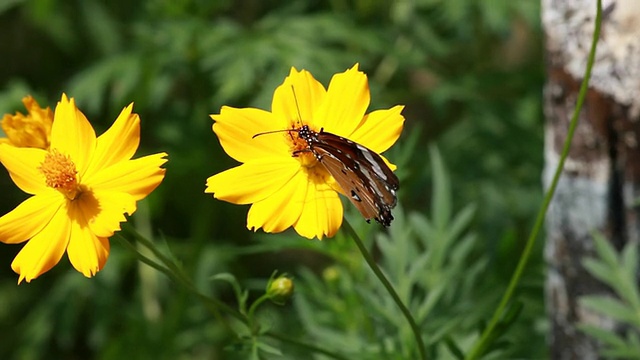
469 72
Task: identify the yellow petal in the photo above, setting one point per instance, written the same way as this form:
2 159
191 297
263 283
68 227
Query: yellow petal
321 214
23 164
253 181
45 249
235 129
118 143
297 98
344 105
137 177
103 211
72 134
28 218
280 210
380 129
389 164
87 252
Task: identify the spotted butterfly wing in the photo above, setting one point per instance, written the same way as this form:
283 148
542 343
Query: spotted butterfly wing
361 173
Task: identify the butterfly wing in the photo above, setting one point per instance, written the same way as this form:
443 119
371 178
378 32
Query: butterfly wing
361 173
350 183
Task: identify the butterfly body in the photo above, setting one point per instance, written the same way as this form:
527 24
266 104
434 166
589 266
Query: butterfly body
360 172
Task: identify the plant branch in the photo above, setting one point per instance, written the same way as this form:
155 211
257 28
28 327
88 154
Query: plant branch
175 273
376 270
307 346
481 346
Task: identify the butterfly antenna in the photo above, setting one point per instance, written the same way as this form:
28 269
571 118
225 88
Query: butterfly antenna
270 132
295 98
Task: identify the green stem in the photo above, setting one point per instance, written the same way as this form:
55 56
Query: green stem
304 345
255 305
210 303
376 270
176 274
481 346
177 270
146 260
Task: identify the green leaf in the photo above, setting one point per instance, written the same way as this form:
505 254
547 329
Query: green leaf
625 353
101 27
461 221
600 271
606 252
455 349
629 267
423 228
441 203
629 259
6 5
269 349
512 314
241 296
418 266
119 74
629 349
609 306
606 336
434 295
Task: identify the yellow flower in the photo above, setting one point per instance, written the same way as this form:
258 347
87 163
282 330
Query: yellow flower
31 130
297 191
81 188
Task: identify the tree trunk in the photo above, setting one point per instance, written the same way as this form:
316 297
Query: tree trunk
600 183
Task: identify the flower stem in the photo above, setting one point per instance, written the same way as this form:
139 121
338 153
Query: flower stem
483 343
175 273
376 270
255 305
307 346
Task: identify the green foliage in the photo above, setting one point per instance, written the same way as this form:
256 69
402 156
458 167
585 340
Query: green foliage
619 272
434 265
470 75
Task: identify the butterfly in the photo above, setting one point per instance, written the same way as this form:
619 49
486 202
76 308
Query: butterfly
360 172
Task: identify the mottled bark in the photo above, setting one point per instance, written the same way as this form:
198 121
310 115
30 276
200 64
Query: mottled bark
601 178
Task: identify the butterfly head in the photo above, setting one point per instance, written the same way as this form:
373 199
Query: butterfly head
300 140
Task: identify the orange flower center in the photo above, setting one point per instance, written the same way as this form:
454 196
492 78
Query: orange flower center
300 149
60 173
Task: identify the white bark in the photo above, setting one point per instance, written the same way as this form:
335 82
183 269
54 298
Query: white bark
569 26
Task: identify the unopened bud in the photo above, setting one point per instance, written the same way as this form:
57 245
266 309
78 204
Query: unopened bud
331 274
280 289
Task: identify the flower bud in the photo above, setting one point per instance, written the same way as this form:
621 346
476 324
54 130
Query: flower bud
280 289
331 274
31 130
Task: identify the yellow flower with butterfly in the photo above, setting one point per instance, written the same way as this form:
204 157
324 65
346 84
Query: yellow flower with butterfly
312 145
